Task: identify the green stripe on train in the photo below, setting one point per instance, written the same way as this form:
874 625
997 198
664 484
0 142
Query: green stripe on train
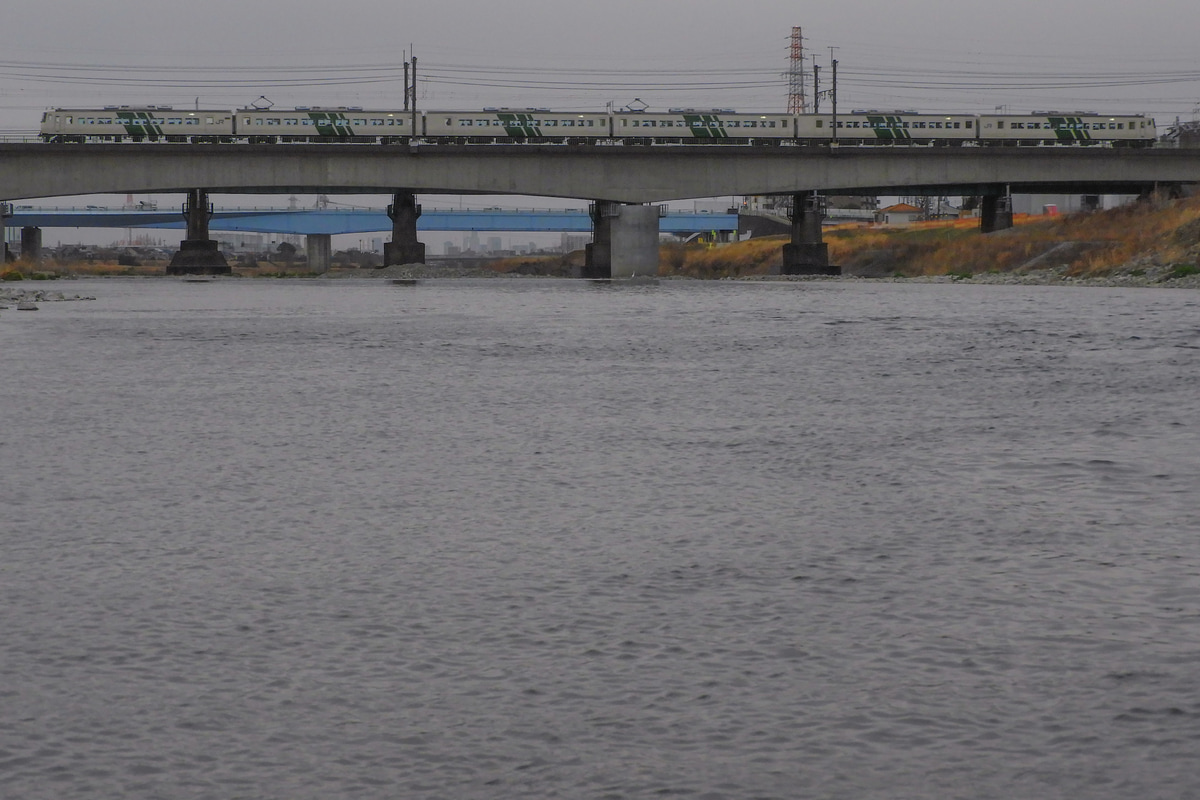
332 124
699 125
889 128
1070 129
139 123
519 126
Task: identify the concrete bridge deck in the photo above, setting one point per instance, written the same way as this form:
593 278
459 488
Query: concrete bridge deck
619 173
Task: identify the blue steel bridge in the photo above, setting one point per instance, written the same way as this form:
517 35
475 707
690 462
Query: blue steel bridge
342 221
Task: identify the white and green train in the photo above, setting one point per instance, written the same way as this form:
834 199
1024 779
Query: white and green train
541 125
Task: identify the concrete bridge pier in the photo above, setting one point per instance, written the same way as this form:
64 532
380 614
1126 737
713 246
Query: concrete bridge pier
404 247
5 213
31 244
624 241
198 254
995 213
807 254
319 247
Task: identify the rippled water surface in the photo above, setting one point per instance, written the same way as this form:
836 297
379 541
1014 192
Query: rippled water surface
555 540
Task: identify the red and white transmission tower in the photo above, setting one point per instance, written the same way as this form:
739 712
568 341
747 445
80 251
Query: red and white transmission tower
796 102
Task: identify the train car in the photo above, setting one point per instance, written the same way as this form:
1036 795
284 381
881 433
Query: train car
500 125
345 124
888 128
692 126
1076 128
136 124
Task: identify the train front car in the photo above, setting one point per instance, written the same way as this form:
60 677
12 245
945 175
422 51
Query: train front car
1050 128
870 128
344 124
136 124
516 125
696 126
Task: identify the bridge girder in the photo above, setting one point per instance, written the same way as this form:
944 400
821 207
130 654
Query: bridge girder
614 173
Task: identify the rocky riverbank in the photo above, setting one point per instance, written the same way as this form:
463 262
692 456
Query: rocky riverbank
14 296
1178 276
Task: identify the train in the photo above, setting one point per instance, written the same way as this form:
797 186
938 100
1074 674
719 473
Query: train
351 124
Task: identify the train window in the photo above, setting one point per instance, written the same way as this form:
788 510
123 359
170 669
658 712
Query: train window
245 120
209 120
820 123
771 124
464 123
753 123
591 123
1000 124
958 125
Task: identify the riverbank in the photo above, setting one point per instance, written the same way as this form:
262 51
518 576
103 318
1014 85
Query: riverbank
1148 244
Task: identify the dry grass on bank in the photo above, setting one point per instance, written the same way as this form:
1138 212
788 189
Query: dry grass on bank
1086 245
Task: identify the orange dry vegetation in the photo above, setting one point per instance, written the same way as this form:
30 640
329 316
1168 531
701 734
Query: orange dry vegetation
1094 244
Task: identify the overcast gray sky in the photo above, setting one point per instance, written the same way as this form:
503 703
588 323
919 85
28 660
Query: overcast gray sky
951 55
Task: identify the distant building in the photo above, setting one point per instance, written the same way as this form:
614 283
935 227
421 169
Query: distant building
494 244
574 241
1068 203
900 214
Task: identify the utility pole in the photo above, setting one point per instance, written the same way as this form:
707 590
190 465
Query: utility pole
816 88
414 97
834 96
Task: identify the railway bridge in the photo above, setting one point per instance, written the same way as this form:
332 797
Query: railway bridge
622 182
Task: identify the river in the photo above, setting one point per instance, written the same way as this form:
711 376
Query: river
550 539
